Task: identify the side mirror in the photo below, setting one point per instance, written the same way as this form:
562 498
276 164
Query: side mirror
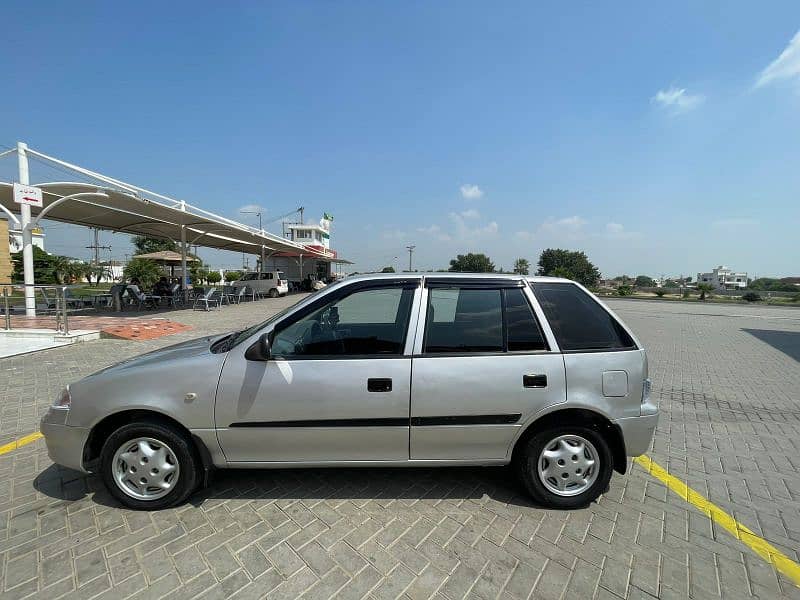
260 350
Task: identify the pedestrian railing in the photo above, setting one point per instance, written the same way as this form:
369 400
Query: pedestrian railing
56 301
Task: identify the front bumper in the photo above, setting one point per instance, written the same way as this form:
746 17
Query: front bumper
65 444
637 432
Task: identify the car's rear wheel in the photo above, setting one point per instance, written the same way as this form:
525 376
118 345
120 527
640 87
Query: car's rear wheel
149 465
273 293
565 467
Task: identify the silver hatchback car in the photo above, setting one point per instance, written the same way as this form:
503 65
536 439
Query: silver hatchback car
396 370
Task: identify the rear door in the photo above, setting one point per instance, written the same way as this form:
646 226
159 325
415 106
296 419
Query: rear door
482 366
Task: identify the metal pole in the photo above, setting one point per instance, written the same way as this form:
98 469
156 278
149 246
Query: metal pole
64 308
263 266
184 279
27 241
8 313
410 253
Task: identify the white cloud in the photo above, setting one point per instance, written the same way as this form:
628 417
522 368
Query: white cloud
524 235
617 231
470 214
464 232
734 223
786 66
394 234
435 232
471 192
677 100
570 225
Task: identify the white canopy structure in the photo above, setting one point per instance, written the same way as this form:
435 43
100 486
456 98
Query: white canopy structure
113 205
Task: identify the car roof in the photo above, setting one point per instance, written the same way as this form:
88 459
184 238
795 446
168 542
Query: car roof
453 275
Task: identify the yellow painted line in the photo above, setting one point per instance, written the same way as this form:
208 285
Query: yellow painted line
31 437
781 562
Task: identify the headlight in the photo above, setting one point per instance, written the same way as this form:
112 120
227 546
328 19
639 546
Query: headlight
646 390
64 399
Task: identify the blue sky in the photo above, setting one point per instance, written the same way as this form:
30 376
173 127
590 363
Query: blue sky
659 139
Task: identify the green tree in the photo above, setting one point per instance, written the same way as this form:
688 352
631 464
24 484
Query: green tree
233 276
770 284
624 290
670 284
198 272
388 269
522 266
145 270
44 267
471 263
145 245
570 264
644 281
213 277
704 288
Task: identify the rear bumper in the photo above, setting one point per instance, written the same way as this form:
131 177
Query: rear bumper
637 433
65 444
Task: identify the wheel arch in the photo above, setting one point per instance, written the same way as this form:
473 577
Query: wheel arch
578 416
106 426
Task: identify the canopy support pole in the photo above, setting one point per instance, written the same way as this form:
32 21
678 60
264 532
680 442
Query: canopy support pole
263 266
27 237
184 278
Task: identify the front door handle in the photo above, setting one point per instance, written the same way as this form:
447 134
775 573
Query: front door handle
534 381
379 384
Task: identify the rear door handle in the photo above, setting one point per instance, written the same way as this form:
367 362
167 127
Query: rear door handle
379 385
534 381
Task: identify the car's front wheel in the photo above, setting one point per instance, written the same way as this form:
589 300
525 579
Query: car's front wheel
149 465
565 467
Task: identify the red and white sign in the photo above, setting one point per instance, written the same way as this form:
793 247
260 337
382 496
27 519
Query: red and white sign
27 194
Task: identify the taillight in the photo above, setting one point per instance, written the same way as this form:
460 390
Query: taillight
646 386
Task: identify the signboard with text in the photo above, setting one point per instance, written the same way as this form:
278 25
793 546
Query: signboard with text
27 194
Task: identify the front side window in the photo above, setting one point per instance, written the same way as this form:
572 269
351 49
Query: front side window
367 322
578 321
463 320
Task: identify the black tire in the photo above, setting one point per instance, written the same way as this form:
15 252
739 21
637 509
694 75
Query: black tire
273 293
526 466
182 447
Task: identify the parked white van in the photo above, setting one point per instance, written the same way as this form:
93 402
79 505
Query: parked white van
270 283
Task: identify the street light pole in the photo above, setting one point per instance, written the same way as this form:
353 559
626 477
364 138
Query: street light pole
254 212
27 238
410 254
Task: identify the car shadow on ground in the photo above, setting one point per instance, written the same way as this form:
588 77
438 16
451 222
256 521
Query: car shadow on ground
787 342
381 485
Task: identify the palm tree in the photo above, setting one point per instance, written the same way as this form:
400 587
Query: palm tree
98 272
704 287
522 266
60 266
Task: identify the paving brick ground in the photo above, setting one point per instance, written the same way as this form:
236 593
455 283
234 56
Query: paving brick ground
727 378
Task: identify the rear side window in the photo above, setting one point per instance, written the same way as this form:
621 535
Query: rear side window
473 320
578 321
523 329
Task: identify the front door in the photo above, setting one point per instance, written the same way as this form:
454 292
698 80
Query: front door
336 388
482 367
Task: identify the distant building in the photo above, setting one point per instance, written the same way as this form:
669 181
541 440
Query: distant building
297 265
15 239
723 278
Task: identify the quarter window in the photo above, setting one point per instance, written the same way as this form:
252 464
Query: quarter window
366 322
578 321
